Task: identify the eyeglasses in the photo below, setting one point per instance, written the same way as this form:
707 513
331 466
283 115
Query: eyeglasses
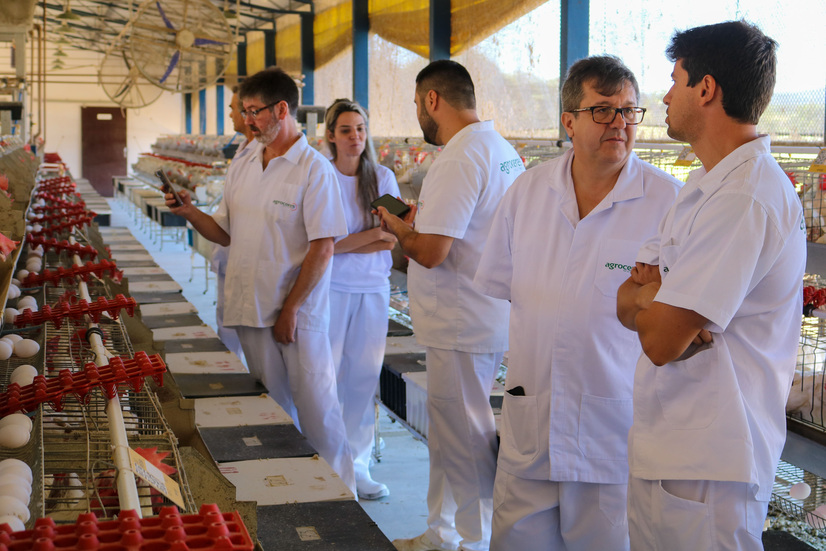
607 115
254 112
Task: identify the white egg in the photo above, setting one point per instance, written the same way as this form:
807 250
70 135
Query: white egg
24 374
14 436
6 348
17 489
14 523
801 490
34 265
24 302
14 291
11 338
15 419
26 348
21 274
15 281
19 479
29 228
27 306
37 227
38 250
9 314
13 506
17 467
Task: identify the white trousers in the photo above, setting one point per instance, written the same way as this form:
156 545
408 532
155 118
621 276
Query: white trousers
694 515
461 440
301 378
544 515
358 335
227 334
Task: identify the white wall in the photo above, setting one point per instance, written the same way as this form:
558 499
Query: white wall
143 126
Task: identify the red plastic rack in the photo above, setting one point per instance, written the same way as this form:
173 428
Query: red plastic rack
50 243
104 267
61 310
53 390
72 208
57 189
60 202
77 221
208 530
48 219
55 180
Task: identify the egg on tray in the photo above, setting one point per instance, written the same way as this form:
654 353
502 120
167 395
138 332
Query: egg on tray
26 348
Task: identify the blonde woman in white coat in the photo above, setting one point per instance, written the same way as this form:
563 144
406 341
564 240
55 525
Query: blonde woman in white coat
359 287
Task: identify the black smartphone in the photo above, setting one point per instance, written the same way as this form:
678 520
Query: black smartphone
166 187
393 205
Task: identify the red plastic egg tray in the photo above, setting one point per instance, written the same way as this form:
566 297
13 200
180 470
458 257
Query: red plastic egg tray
61 310
104 267
209 529
108 378
50 243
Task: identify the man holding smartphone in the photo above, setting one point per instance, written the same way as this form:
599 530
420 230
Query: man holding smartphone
464 331
281 210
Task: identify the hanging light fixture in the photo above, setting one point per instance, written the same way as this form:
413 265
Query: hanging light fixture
68 14
64 28
57 64
59 53
62 40
230 14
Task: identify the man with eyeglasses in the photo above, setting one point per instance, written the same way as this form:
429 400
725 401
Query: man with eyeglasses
719 321
281 210
561 243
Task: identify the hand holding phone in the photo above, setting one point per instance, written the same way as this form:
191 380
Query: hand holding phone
393 205
166 187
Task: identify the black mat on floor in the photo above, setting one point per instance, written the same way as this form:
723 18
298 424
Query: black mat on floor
177 320
149 277
156 297
775 540
396 329
194 345
214 385
249 442
322 526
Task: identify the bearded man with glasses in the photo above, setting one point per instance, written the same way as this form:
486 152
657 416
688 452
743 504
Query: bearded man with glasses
281 210
563 240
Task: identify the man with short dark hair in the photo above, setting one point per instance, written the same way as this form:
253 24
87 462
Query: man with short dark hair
719 321
561 243
282 209
464 331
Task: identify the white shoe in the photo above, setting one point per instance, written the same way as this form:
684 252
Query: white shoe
370 489
419 543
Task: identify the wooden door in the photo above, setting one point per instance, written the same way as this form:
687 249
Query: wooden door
103 151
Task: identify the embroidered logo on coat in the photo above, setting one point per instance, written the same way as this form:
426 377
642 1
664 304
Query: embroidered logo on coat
513 164
282 203
615 266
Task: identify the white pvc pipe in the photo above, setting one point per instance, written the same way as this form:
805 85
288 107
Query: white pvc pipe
128 498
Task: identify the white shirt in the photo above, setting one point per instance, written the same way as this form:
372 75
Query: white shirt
459 195
271 216
359 272
732 249
569 352
221 254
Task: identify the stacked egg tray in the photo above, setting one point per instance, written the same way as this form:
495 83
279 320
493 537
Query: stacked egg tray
209 529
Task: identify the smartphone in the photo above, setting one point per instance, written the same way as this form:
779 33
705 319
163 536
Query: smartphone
166 187
393 205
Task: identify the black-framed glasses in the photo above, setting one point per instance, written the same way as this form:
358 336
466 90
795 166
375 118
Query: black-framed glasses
254 112
606 115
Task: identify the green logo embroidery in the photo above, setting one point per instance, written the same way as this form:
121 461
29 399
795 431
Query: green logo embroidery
513 164
282 203
615 266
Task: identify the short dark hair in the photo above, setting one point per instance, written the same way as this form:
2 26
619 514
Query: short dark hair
738 56
450 80
606 73
271 86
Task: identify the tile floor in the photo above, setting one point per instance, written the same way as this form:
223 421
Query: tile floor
404 462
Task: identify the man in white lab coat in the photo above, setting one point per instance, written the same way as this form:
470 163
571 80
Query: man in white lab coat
465 332
719 319
562 242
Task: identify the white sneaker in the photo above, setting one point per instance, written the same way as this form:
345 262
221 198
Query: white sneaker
370 489
419 543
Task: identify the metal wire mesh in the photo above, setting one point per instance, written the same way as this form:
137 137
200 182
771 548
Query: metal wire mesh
801 509
805 401
70 450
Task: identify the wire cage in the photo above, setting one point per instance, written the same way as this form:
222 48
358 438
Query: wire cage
800 495
71 451
805 401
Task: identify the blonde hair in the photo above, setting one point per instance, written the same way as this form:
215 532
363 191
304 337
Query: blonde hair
368 185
